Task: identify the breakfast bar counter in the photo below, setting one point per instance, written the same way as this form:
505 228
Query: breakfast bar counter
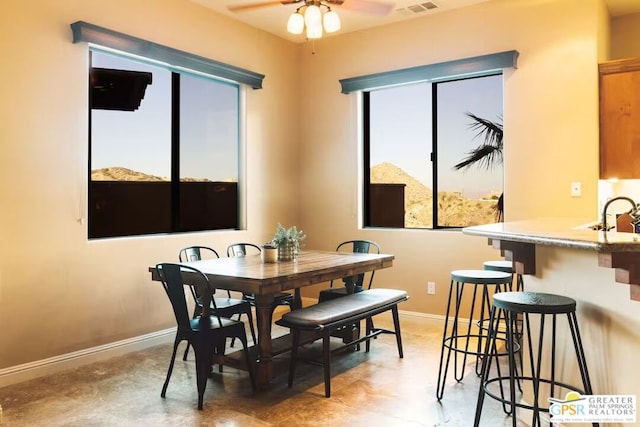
601 271
518 240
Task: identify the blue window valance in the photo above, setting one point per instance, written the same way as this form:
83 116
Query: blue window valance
467 67
85 32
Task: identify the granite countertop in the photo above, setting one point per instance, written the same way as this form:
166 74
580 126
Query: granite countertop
566 232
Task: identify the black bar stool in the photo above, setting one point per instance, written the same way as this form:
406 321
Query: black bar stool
506 267
485 283
510 304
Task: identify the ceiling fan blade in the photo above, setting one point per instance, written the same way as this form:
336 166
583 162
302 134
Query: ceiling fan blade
258 5
367 6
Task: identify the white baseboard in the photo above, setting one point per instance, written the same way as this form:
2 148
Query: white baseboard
430 316
28 371
52 365
423 315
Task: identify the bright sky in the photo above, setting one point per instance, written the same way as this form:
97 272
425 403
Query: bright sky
140 140
401 131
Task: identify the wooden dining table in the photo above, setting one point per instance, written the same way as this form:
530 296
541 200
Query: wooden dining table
250 275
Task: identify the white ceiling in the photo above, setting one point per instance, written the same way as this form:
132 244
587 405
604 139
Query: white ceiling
273 17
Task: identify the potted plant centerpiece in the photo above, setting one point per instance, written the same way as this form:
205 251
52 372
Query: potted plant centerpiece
288 241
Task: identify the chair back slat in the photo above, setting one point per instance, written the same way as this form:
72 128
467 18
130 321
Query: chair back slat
242 249
197 253
363 247
360 246
174 280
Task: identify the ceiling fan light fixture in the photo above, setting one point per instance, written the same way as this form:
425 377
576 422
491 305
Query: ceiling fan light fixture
295 25
314 31
331 21
313 16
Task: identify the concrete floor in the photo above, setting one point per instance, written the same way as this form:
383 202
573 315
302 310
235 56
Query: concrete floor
369 389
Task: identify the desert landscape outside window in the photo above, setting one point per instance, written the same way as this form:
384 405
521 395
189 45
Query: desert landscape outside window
431 138
163 158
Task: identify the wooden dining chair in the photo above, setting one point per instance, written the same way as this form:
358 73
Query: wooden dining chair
242 249
206 333
225 306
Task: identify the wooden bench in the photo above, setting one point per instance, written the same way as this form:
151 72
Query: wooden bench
328 316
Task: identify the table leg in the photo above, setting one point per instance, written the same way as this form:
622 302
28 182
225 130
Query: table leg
297 299
264 364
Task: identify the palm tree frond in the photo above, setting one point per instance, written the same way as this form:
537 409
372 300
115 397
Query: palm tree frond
490 152
485 156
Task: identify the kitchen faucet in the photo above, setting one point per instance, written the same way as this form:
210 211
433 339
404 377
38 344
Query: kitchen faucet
633 212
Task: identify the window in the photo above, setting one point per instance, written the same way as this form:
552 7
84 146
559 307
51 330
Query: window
164 149
439 138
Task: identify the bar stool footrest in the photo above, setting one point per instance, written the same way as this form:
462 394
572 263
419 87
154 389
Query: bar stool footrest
502 330
507 379
447 342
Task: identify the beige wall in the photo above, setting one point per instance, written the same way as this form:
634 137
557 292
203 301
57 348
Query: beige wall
550 122
59 292
302 152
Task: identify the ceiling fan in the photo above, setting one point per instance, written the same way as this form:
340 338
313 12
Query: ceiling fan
365 6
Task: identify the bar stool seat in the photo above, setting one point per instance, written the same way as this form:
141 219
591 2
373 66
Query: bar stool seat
510 304
457 340
506 267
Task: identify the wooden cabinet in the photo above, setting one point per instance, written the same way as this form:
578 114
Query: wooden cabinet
620 119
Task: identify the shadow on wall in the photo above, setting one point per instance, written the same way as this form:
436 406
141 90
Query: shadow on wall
597 341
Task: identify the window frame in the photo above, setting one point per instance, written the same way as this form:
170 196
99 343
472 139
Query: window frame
433 157
179 61
476 66
177 225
